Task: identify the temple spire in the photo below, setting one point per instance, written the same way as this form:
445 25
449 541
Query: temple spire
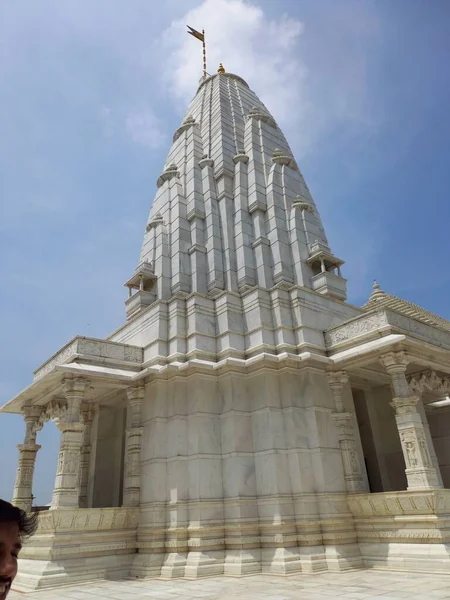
232 210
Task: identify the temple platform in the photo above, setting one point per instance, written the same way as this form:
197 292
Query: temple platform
362 584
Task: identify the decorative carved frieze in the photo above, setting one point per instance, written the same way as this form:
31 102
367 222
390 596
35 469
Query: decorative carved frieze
387 318
92 348
88 519
429 381
402 516
356 327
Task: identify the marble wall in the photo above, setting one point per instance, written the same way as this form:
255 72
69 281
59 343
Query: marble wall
242 473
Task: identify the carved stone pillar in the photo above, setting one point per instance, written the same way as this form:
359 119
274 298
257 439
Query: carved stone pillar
352 468
87 415
23 488
67 414
420 472
132 476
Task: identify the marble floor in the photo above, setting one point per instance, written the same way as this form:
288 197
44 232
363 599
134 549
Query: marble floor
358 585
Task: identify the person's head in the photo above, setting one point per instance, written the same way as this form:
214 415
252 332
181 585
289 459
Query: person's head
15 526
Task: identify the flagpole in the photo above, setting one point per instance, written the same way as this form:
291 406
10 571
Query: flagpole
201 37
204 54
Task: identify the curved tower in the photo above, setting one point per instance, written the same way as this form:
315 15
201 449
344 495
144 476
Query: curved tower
235 286
232 211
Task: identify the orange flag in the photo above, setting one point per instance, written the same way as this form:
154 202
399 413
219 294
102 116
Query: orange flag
196 34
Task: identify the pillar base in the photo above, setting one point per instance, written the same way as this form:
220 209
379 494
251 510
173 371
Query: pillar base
205 564
281 561
242 561
422 479
422 541
78 545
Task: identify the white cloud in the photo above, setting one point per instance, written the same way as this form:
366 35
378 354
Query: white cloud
145 128
240 36
274 56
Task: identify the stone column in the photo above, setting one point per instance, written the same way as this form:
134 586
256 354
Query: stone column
132 476
23 488
352 468
87 415
420 472
67 414
426 428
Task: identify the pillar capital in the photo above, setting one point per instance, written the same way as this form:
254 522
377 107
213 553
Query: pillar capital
31 412
343 421
337 380
32 415
30 447
406 405
395 362
135 394
74 387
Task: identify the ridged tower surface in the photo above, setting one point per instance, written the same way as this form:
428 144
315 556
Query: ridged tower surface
233 214
241 469
231 171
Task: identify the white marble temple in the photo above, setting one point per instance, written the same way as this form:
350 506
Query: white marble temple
245 418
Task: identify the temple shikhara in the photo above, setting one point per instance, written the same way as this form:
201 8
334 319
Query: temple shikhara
245 418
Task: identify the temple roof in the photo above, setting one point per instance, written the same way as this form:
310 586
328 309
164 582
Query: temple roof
232 210
379 299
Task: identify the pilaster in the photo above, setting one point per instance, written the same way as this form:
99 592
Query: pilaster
277 229
132 477
354 482
213 238
87 416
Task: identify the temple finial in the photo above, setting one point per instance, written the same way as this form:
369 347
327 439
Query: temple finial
221 68
377 292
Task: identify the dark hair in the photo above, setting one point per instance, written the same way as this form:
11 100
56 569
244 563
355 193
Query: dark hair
12 514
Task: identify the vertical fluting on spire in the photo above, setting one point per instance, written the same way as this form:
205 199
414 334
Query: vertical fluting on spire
232 210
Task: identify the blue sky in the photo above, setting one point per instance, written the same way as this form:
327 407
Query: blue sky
91 93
